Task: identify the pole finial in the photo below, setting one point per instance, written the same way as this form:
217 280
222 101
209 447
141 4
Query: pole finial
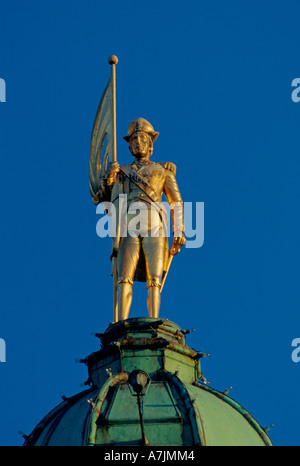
113 60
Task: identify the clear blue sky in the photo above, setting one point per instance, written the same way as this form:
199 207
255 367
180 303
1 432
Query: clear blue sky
214 78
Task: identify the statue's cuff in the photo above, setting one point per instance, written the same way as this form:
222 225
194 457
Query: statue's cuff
178 234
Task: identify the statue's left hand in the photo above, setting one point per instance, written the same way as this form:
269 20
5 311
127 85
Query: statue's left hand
178 242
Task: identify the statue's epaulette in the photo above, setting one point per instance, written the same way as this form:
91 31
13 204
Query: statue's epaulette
169 166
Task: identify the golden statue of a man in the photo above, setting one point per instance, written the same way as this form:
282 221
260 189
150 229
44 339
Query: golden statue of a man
142 254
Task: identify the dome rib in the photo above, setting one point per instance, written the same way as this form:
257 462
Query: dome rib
92 425
195 421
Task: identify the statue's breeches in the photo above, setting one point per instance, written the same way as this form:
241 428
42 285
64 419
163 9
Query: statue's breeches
129 254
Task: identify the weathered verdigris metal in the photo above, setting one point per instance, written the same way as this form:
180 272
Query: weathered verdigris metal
177 409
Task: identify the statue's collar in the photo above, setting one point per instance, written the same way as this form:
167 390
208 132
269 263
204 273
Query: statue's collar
138 164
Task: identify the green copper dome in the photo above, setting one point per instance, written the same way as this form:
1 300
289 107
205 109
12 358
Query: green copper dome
145 390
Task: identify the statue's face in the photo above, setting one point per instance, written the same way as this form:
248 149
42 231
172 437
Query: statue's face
140 143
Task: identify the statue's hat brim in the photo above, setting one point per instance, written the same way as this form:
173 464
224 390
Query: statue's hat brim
153 134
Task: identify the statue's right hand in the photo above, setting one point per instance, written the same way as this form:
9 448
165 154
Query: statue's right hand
110 174
112 169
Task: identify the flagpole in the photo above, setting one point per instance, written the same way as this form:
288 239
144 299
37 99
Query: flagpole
113 60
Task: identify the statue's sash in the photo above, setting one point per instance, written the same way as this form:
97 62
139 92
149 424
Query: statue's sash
137 179
143 184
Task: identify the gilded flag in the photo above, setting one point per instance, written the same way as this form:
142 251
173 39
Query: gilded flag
103 132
